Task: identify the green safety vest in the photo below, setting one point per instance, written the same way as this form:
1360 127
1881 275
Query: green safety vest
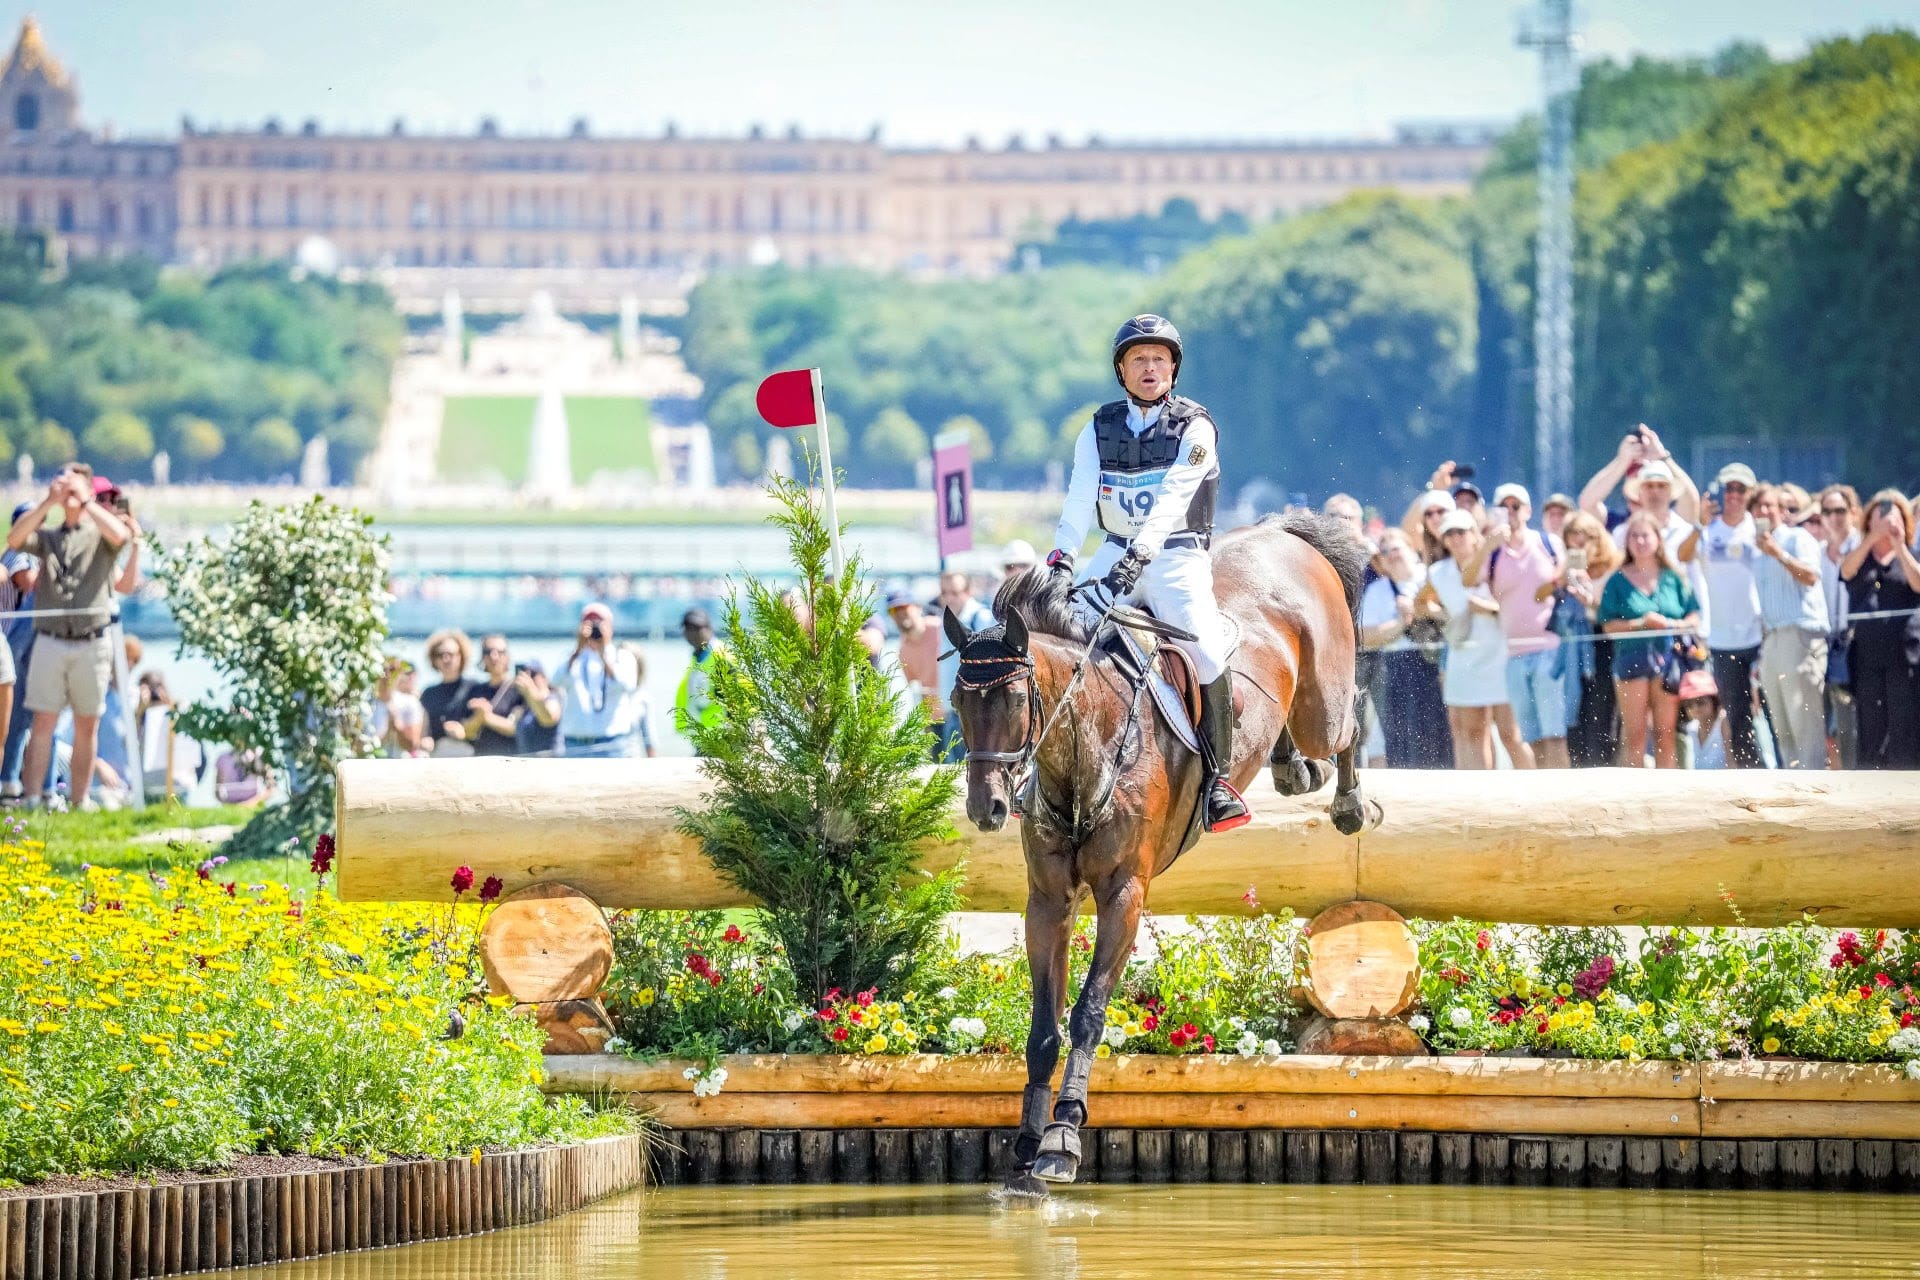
694 703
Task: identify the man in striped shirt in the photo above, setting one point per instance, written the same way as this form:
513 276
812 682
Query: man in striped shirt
1793 631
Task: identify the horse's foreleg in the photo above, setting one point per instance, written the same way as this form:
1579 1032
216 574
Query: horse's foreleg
1049 926
1118 903
1352 813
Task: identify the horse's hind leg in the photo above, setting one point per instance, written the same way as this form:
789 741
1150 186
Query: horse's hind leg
1353 813
1118 902
1049 926
1295 774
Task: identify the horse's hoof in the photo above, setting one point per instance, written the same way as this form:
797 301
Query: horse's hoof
1022 1185
1059 1158
1352 815
1298 776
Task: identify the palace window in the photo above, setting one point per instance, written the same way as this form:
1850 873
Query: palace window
24 212
143 218
293 206
206 208
860 213
254 215
26 112
110 217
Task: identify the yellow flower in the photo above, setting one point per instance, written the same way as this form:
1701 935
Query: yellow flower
1565 989
1770 1045
1131 1028
898 1028
1104 1050
1646 1008
124 1067
1626 1044
170 1103
46 1028
646 997
877 1045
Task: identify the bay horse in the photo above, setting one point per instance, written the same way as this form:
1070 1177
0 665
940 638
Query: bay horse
1110 792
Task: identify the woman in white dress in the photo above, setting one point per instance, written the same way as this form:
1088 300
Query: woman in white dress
1475 679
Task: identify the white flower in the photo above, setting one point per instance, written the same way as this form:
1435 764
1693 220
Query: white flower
1247 1045
1419 1022
1905 1042
1270 1047
1237 1023
1460 1017
1671 1031
1913 1069
945 993
1623 1002
741 962
970 1028
1677 1050
707 1085
691 1073
794 1019
1115 1036
614 1044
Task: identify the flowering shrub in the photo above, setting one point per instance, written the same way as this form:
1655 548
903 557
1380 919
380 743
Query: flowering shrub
173 1021
699 986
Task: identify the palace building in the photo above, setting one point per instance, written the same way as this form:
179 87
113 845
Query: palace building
491 202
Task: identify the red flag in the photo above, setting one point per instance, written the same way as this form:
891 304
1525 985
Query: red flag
786 399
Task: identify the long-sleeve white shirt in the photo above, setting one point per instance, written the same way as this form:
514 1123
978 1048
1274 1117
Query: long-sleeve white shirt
1080 512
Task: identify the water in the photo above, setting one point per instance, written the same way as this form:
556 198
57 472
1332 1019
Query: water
1113 1232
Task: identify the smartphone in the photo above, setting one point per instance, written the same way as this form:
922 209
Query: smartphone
1463 473
1577 558
1762 525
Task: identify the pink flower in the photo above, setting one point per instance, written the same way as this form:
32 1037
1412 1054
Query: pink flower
1149 1023
1482 940
1206 1042
462 879
1178 1039
1251 898
490 888
322 860
733 934
865 998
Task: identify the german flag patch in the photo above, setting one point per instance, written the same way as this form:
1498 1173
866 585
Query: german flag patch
1196 455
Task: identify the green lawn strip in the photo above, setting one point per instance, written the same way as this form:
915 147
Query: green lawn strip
111 839
608 434
483 437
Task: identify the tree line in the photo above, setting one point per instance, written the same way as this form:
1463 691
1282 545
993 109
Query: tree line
230 375
1748 242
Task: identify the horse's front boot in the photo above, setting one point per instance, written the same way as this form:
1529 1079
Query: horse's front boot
1351 814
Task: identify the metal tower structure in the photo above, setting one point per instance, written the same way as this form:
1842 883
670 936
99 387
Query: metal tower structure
1549 28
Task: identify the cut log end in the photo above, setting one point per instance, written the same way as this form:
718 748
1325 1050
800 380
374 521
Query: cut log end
1361 1035
572 1026
1360 961
545 943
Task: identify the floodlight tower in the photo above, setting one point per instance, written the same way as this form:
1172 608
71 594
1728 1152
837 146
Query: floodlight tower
1549 28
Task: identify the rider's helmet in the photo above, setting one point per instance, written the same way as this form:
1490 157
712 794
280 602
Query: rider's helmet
1146 328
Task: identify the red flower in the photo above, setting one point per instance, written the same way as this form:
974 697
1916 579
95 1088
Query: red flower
1178 1039
322 860
697 964
462 880
1250 898
1482 940
733 934
713 978
1540 1028
833 995
1865 990
205 871
1206 1042
854 1015
229 886
490 888
1906 1019
1836 960
1149 1023
865 998
839 1034
828 1015
758 987
1189 1030
1882 980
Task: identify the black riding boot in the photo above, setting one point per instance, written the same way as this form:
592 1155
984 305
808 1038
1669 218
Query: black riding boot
1225 807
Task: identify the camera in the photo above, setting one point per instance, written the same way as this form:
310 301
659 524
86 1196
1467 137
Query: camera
595 631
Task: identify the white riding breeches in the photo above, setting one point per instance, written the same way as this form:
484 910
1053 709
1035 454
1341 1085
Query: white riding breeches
1177 585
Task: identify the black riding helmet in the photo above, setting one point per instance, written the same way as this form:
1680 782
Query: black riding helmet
1146 328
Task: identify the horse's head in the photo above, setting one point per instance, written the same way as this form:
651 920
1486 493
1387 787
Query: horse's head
999 709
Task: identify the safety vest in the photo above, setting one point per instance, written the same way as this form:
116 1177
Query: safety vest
694 703
1132 467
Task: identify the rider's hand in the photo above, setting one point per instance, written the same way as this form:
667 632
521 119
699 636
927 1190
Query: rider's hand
1121 579
1060 562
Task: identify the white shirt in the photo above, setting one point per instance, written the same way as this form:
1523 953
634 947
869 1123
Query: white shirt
603 699
1730 556
1079 514
1783 601
1378 606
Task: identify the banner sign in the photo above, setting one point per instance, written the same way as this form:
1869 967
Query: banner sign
953 492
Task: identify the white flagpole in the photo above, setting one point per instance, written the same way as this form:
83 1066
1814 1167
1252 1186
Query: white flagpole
826 468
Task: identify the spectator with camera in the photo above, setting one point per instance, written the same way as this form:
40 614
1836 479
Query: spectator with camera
1839 532
1519 565
1793 631
1883 579
539 732
1403 635
74 613
1647 594
1730 554
449 652
605 715
1475 684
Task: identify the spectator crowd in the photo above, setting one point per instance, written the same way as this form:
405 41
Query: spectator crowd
1748 624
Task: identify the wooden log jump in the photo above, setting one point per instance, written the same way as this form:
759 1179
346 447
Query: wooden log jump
1587 846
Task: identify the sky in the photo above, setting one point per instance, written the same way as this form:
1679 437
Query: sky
929 73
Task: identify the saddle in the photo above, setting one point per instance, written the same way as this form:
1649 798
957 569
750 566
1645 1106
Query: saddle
1143 657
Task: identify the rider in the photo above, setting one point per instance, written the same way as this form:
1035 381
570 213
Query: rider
1147 471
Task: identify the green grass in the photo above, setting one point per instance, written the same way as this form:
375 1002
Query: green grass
483 437
103 839
609 433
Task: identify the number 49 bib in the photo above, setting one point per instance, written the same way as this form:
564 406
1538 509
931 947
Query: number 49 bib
1126 499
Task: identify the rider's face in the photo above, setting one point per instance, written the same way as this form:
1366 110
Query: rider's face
1147 371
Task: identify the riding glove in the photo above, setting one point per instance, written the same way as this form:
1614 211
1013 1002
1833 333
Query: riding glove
1125 573
1060 562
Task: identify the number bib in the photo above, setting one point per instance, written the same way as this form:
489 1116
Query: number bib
1127 498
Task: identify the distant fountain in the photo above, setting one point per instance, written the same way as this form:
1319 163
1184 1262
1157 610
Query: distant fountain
314 472
549 450
452 328
629 328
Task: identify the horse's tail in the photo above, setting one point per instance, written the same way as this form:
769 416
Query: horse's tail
1334 539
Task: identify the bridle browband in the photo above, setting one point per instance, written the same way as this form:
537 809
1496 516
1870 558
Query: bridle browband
1020 667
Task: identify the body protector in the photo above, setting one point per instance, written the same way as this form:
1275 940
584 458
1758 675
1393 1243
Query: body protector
1133 466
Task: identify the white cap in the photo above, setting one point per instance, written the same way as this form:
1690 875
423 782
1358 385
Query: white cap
1506 491
1655 470
1019 552
1736 473
1436 498
1458 519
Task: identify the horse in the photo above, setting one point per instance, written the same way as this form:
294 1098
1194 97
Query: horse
1108 796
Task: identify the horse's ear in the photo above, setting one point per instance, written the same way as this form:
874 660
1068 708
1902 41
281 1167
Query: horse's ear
956 632
1016 632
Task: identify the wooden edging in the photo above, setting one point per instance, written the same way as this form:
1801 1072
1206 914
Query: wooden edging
1157 1155
217 1223
1730 1100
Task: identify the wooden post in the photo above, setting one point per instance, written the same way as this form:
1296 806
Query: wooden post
1116 1155
853 1155
892 1157
1906 1165
1528 1159
1492 1156
1340 1156
742 1147
1643 1162
1416 1158
1153 1155
779 1157
1719 1163
1834 1159
704 1160
1567 1162
1191 1159
1795 1157
1266 1156
1873 1164
967 1155
1679 1162
815 1155
1229 1156
928 1151
1456 1158
1303 1155
1378 1164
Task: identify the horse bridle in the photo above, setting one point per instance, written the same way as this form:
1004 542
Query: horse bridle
1022 670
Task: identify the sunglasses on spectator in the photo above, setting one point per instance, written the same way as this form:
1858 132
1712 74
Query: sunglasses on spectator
487 651
1734 486
444 653
1510 505
1834 511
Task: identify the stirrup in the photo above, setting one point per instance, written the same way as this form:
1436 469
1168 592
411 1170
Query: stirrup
1235 811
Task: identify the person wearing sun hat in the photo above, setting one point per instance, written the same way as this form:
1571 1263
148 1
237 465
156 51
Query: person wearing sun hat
1422 524
1476 662
605 713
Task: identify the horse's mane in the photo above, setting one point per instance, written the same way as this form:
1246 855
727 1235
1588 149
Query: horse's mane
1334 539
1040 595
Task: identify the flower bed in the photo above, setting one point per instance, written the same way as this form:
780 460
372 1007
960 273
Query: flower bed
698 986
173 1020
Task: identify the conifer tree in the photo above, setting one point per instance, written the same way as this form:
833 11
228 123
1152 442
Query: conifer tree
818 799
